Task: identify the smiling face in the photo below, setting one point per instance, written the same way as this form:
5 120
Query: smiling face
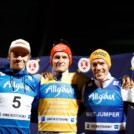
99 68
18 58
60 62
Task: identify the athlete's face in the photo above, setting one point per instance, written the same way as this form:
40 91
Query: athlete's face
99 68
18 58
60 62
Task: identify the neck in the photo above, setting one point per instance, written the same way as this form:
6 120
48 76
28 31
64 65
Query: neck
59 75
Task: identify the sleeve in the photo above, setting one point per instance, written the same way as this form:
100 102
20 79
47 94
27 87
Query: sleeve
131 95
82 107
81 80
128 95
82 94
34 110
37 77
124 94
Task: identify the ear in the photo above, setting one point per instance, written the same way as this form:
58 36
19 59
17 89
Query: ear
30 57
8 56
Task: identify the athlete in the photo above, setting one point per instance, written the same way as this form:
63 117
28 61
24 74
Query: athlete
17 90
104 98
59 93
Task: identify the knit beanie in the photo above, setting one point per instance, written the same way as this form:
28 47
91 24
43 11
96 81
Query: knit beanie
101 54
61 48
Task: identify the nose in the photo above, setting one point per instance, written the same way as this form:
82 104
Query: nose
60 59
98 66
19 57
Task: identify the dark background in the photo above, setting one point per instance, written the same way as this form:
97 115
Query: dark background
85 25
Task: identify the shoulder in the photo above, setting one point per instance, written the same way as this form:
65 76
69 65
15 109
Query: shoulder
37 77
32 78
46 77
80 78
117 81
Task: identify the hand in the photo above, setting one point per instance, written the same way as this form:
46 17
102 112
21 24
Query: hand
47 75
127 82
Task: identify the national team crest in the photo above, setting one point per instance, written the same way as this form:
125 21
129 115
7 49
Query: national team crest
32 66
84 65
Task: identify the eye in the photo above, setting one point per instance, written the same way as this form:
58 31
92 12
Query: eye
65 57
94 64
102 63
23 55
56 57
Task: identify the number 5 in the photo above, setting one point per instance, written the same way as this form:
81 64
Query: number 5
17 101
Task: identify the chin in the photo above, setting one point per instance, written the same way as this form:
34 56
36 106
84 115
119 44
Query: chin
60 71
19 68
99 78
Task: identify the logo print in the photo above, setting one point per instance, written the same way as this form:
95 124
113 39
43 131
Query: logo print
84 65
32 66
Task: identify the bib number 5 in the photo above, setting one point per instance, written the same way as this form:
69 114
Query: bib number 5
16 102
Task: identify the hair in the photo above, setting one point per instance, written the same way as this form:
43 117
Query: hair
62 41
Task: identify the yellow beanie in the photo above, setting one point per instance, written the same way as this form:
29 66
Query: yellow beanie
102 54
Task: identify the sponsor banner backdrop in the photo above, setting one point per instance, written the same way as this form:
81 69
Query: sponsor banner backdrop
121 65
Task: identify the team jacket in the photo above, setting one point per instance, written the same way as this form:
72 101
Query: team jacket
105 109
59 102
17 91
